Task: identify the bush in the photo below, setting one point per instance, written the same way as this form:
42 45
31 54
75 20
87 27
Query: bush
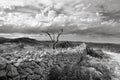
96 53
80 71
64 44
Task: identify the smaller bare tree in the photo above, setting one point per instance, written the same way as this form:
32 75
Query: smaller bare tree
54 36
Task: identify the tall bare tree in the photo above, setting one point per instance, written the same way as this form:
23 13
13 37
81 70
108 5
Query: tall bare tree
54 36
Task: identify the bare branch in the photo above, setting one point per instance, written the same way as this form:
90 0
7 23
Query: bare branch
59 33
55 37
48 35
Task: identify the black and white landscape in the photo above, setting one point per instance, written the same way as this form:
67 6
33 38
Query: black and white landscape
59 39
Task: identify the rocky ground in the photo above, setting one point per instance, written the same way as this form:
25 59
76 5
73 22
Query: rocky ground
79 63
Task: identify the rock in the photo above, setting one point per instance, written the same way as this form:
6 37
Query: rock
30 64
24 64
37 66
2 73
37 77
22 72
17 64
8 67
81 47
19 60
37 71
2 65
29 70
12 71
23 75
94 73
34 64
31 77
16 78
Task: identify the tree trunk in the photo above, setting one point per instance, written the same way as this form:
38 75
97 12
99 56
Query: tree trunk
54 39
54 44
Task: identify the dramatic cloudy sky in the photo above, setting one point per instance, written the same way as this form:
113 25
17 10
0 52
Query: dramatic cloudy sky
86 20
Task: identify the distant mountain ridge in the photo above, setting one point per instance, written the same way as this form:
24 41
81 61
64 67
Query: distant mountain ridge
18 40
30 41
3 40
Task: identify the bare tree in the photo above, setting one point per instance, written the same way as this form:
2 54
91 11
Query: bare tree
54 36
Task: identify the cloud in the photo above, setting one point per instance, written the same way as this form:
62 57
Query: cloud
17 16
10 3
53 21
